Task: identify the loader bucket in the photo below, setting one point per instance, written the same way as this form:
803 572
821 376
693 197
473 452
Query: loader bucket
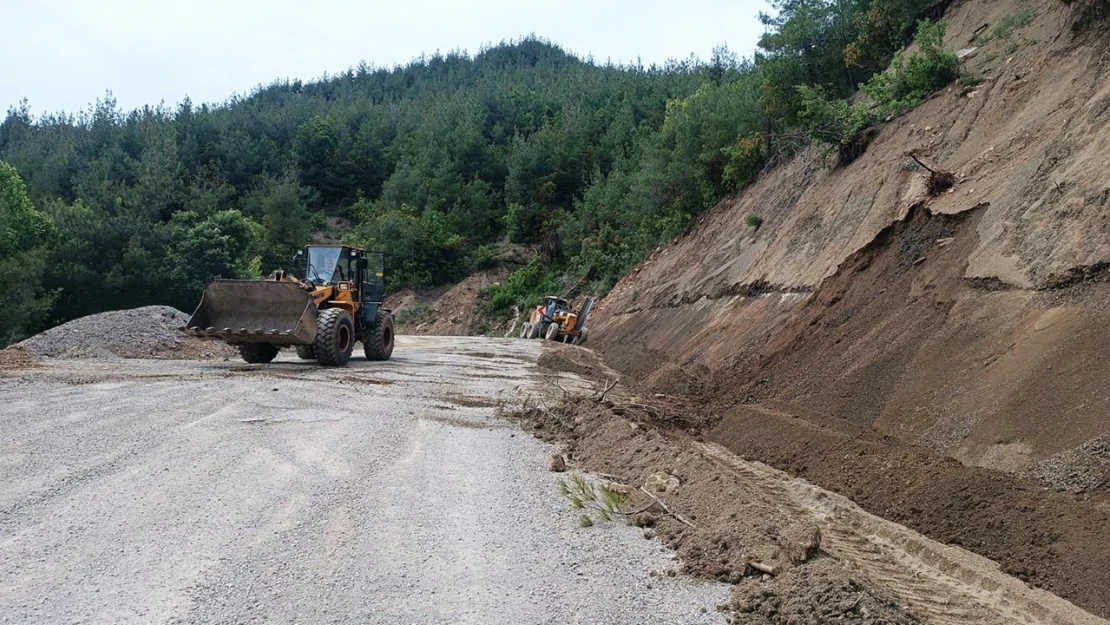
255 311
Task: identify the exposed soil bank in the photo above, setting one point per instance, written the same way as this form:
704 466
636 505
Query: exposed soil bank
1053 541
940 360
731 520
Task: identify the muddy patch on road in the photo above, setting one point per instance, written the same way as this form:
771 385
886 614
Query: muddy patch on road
473 401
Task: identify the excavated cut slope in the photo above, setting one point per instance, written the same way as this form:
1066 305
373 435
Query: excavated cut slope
986 338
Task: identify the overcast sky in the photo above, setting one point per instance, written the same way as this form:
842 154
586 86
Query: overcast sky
64 54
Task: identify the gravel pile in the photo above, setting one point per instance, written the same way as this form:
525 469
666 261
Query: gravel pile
148 332
1084 468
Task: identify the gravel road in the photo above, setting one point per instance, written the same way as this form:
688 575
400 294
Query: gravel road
143 491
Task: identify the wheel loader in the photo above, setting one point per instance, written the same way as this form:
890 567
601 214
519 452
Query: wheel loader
338 302
555 321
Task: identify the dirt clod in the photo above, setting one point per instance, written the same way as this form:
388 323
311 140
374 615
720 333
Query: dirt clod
800 541
825 592
558 464
662 483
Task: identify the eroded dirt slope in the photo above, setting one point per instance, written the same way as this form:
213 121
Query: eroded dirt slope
939 360
851 301
794 552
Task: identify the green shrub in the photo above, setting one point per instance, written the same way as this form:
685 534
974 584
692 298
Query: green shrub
836 123
418 313
524 288
484 257
909 80
745 161
970 80
754 220
1008 24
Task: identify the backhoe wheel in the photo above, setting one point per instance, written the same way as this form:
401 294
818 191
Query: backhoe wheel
335 337
526 330
306 352
377 340
535 330
258 353
582 336
552 332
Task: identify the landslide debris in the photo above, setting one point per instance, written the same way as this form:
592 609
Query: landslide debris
795 553
147 332
728 530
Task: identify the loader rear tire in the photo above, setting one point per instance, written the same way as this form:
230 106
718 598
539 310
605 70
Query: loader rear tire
526 331
335 337
306 352
258 353
582 336
377 340
552 332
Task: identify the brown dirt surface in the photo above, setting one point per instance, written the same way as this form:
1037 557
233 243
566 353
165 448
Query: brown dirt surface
458 311
734 524
16 358
847 359
729 520
576 360
939 360
1052 541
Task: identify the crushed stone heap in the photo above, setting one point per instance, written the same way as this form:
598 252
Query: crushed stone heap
147 332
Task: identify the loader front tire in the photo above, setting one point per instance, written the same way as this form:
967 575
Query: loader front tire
526 330
306 352
335 337
258 353
552 332
377 340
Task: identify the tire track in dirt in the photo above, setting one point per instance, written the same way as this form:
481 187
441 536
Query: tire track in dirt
946 585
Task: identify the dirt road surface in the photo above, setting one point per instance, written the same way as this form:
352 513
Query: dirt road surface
141 491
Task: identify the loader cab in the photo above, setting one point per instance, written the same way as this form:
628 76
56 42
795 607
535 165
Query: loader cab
330 264
336 264
553 305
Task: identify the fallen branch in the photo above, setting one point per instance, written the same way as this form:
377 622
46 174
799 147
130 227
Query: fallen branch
919 162
677 516
601 397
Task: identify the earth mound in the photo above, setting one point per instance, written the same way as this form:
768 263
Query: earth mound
147 332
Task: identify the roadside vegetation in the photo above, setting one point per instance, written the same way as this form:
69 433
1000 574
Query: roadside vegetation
591 165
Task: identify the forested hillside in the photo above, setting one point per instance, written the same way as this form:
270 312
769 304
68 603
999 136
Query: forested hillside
592 165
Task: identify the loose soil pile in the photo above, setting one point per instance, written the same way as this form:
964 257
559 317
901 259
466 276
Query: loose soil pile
727 530
797 554
1050 540
148 332
576 360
